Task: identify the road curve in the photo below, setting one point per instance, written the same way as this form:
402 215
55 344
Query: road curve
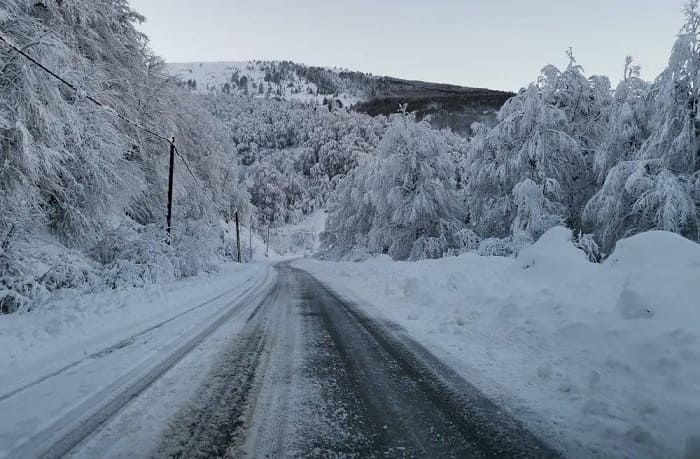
312 376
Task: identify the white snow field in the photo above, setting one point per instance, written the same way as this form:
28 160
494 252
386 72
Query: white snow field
595 357
64 365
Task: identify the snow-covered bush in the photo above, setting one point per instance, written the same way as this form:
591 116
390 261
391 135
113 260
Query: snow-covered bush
69 272
134 256
495 247
536 213
504 247
17 287
588 244
520 240
467 240
429 247
195 250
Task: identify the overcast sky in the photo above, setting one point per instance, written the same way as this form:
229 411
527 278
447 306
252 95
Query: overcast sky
499 44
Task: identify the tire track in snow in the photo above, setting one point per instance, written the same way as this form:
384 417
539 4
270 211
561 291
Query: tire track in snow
72 428
211 425
119 345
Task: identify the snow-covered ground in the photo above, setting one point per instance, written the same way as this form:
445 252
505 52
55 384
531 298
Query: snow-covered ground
599 357
78 353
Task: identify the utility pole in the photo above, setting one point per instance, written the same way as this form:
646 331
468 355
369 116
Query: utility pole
238 238
267 248
170 190
250 238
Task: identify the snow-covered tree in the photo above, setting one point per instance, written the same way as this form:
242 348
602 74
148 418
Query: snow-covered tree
529 142
584 101
535 212
656 187
673 142
414 193
403 200
627 126
350 212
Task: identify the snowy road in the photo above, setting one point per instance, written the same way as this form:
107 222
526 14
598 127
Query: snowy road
311 376
282 368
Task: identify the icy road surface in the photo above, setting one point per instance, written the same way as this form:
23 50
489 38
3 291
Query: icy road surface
284 369
311 376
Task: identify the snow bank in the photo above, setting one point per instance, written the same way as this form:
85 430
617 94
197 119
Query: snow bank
595 356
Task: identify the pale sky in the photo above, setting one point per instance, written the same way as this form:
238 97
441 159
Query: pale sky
499 44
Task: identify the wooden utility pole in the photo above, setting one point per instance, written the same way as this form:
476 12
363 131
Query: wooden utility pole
238 238
267 247
170 189
250 238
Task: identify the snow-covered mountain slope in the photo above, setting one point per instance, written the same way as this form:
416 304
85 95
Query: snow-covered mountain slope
284 79
448 105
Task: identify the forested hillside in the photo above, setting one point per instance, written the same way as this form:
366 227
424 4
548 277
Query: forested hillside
293 154
449 106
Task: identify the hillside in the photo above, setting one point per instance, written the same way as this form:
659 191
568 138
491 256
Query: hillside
450 106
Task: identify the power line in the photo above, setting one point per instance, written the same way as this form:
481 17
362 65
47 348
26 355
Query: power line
75 88
204 192
110 110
